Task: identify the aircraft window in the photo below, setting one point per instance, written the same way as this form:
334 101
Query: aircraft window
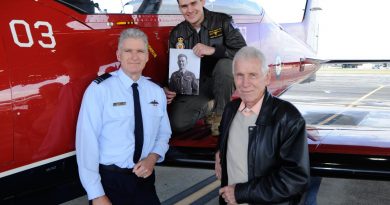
244 7
123 6
284 11
83 6
248 7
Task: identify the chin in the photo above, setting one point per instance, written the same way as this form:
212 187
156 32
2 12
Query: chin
191 21
246 100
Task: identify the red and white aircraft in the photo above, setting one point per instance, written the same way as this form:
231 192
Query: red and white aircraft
50 50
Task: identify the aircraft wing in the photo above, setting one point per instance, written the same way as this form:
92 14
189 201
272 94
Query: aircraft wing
342 61
347 111
350 152
355 61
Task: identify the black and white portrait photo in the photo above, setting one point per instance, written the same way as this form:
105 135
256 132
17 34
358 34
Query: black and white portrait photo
184 69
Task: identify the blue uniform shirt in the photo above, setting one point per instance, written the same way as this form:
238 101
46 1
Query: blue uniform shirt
105 127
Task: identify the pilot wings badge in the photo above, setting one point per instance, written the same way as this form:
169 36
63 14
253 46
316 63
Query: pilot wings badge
154 103
180 43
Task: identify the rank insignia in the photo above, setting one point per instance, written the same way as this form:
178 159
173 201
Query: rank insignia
180 43
154 103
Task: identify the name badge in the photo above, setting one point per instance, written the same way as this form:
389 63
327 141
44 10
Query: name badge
119 104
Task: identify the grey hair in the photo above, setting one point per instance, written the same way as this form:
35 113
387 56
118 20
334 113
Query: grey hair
133 33
249 52
182 55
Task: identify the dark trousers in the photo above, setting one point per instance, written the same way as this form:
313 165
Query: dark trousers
123 187
314 187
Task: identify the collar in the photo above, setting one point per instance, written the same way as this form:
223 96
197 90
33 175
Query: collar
266 108
249 111
205 21
265 114
127 81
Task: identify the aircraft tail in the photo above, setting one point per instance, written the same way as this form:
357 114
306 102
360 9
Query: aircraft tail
310 23
308 29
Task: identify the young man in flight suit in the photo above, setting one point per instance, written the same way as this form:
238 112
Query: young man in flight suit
215 38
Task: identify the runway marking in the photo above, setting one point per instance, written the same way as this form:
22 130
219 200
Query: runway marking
207 198
353 104
197 195
195 189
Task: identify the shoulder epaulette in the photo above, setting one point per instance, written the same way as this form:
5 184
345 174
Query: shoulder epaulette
102 78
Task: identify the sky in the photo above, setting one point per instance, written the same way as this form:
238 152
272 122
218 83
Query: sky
349 29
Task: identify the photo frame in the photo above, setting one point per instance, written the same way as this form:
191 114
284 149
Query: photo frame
184 71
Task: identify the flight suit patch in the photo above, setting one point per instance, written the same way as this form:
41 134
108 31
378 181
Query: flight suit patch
215 33
180 43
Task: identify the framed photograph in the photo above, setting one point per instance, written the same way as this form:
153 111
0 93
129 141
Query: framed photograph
184 71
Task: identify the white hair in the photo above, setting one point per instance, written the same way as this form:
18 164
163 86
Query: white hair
133 33
249 52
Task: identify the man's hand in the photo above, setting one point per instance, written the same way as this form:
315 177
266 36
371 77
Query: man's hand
144 168
101 200
227 194
201 50
218 169
169 94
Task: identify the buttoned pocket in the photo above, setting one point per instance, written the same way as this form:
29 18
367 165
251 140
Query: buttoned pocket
153 115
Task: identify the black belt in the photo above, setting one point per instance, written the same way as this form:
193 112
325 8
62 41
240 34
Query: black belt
114 168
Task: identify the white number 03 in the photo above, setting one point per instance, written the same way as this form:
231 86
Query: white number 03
47 35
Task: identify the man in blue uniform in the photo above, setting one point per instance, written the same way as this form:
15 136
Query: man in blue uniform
123 129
